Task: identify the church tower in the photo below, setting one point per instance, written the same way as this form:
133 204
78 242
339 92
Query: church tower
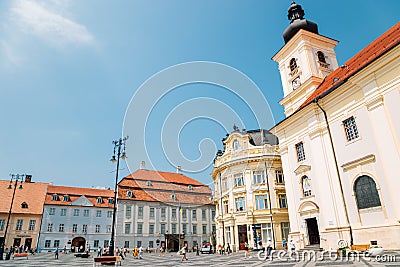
305 59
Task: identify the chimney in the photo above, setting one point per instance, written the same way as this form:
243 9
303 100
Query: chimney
142 165
178 169
28 178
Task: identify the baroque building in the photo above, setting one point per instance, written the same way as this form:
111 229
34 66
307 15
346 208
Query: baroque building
340 140
156 208
250 191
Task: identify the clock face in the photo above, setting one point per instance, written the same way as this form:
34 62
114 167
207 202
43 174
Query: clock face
296 82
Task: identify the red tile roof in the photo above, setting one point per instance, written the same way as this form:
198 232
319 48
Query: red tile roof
171 177
373 51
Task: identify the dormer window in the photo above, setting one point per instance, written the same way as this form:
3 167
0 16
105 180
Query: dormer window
235 145
293 64
55 197
321 57
99 200
66 198
148 183
173 196
129 193
190 187
24 205
110 201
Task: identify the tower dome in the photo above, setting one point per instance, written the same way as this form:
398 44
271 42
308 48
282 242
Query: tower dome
297 22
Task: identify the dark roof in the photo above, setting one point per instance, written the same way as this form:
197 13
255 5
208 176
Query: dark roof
261 137
297 22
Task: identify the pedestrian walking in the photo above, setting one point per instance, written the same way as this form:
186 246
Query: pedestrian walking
162 249
184 251
269 247
141 252
228 249
197 250
284 244
56 253
247 251
292 246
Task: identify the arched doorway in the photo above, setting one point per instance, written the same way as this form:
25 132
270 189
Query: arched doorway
78 243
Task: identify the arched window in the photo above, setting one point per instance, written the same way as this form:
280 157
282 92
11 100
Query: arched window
293 64
235 144
321 57
366 193
306 183
24 205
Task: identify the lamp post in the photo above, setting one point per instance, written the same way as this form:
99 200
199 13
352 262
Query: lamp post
118 144
14 178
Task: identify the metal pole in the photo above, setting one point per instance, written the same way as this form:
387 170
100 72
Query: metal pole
270 204
222 211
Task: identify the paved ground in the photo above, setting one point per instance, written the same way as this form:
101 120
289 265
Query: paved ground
171 259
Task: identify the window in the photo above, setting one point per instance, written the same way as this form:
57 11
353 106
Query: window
184 214
85 213
56 243
190 187
140 212
84 228
194 215
282 201
173 226
108 228
224 184
300 152
350 128
173 196
126 244
238 179
163 212
366 193
285 227
76 212
75 228
47 243
235 144
1 224
151 243
162 231
214 229
279 177
110 201
61 227
52 211
19 225
49 227
213 214
32 224
148 183
97 230
173 213
194 227
109 213
240 204
321 57
139 243
204 229
55 197
128 211
261 202
228 234
127 228
63 212
129 193
98 213
306 182
266 231
140 228
293 64
203 215
151 229
258 177
106 243
151 213
96 243
226 206
24 205
66 198
99 200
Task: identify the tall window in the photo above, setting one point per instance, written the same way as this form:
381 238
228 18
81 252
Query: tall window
55 197
127 228
85 213
106 243
240 204
108 228
61 227
282 201
98 213
49 227
162 229
63 212
99 200
128 211
1 224
306 183
151 243
226 206
97 230
293 64
213 214
184 228
173 226
224 183
261 202
66 198
194 229
194 215
140 228
84 229
47 243
235 144
19 224
76 212
258 177
173 213
163 213
238 179
96 243
321 57
75 228
32 224
151 213
204 229
300 152
285 227
52 211
350 128
366 193
266 230
279 177
151 229
184 214
228 234
203 215
109 213
140 212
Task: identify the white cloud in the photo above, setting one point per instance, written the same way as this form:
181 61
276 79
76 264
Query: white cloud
47 23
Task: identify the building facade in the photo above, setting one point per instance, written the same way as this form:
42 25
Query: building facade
340 141
77 219
157 207
26 213
250 191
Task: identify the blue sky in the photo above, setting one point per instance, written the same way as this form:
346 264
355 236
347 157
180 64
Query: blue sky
68 71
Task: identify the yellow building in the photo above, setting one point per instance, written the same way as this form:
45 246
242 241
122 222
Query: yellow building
250 193
26 213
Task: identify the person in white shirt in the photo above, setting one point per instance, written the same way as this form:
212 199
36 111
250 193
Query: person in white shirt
141 252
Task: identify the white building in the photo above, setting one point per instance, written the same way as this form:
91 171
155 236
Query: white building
340 142
149 213
76 217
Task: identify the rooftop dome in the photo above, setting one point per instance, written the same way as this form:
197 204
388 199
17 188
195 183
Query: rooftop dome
297 22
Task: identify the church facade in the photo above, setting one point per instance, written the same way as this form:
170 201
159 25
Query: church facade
339 143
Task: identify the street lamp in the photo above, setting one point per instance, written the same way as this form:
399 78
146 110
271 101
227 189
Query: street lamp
118 144
16 178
